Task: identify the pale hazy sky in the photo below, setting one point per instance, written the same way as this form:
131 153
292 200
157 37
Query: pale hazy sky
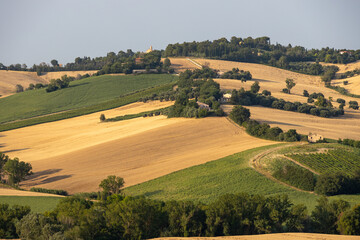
41 30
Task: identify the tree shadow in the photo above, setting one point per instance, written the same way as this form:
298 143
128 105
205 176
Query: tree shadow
43 177
79 84
281 123
14 150
149 194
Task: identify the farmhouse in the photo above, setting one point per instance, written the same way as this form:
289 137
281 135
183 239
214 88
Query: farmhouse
203 105
314 137
226 98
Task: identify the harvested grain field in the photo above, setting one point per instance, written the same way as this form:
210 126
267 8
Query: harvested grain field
13 192
54 75
9 79
270 78
341 127
76 154
182 64
273 236
353 85
344 67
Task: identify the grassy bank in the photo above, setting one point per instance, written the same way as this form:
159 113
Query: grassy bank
36 203
231 174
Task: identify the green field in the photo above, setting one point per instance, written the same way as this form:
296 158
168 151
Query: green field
80 93
37 204
338 158
231 174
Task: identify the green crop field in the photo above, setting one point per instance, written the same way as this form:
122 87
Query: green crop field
231 174
337 159
81 93
36 203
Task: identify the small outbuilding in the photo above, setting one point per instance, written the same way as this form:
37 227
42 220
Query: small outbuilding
314 137
226 98
203 105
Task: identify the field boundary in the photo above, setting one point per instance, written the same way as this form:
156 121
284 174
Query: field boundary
256 165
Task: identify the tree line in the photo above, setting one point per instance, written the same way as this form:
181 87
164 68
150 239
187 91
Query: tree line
116 216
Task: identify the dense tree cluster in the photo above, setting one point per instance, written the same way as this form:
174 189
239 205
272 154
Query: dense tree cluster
120 217
235 73
260 50
337 183
199 86
350 142
241 116
57 84
252 97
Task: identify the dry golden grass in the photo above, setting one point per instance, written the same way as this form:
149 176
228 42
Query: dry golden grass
54 75
9 79
353 85
13 192
76 154
273 79
181 64
274 236
342 127
344 67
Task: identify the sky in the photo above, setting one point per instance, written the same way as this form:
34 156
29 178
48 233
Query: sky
38 31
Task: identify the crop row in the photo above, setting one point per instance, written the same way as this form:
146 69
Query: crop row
337 160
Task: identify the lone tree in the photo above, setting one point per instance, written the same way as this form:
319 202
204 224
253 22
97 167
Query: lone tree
239 114
290 84
255 87
19 88
102 117
112 184
17 170
54 62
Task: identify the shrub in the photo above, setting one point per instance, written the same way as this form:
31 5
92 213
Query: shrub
266 93
306 93
19 88
102 117
340 100
285 90
51 191
324 113
345 82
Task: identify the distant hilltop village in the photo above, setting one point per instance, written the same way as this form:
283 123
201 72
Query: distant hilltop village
149 50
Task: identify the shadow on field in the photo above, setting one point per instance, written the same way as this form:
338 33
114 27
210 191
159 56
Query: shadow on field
149 194
76 85
282 123
261 80
14 150
42 177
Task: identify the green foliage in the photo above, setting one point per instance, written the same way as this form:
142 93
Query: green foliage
289 84
306 93
36 226
354 105
349 223
102 117
235 73
325 215
112 184
51 191
82 93
239 114
19 88
8 217
56 84
16 170
249 98
255 87
295 176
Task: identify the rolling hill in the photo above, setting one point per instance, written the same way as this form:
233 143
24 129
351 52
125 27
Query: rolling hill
76 154
80 93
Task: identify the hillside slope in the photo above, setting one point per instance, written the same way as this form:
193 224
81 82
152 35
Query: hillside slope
80 93
9 79
76 154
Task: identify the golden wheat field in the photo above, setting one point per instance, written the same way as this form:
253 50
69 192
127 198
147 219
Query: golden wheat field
76 154
341 127
9 79
273 236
